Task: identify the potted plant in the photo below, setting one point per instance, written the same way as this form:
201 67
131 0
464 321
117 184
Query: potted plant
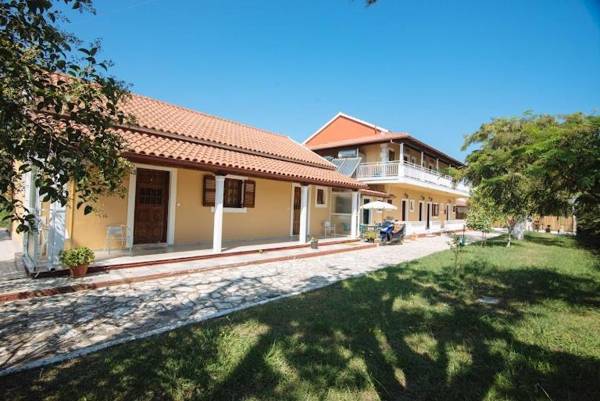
77 260
314 243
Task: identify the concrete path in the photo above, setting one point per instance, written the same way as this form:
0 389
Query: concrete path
38 331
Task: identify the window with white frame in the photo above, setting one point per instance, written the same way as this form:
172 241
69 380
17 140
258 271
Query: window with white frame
236 193
435 209
321 197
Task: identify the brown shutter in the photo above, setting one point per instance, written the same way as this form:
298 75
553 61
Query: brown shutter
249 193
208 191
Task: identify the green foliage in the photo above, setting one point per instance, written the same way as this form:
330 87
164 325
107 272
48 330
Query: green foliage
482 215
4 219
536 164
588 224
77 257
57 105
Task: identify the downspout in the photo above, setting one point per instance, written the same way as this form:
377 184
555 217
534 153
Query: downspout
72 214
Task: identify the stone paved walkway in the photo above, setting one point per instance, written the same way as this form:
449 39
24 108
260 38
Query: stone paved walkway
39 331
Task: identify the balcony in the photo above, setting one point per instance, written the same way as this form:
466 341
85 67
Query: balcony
409 173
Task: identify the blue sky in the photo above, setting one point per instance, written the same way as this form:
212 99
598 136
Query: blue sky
435 69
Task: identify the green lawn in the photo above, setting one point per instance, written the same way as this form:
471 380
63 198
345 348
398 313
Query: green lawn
410 332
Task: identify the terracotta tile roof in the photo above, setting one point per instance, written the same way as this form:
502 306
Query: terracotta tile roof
164 117
372 192
386 138
182 151
360 141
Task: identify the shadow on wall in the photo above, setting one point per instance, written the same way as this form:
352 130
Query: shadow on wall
405 333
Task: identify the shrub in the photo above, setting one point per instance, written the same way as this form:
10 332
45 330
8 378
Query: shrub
77 257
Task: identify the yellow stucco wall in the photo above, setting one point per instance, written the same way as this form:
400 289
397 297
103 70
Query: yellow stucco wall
318 215
419 195
270 218
90 230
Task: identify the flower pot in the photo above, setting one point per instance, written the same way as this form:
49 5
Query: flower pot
79 271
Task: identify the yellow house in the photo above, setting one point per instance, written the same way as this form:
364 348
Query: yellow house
411 172
199 182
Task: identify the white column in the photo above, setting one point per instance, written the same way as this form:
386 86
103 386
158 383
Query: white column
218 216
422 159
401 166
384 155
303 232
354 218
437 164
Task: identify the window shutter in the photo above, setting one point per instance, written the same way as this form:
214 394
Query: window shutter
208 196
249 193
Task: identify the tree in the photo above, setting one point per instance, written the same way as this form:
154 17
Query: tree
482 215
57 107
536 164
496 169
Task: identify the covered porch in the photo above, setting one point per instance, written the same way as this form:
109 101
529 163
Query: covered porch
172 213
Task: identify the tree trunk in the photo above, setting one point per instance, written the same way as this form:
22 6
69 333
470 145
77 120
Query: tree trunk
519 229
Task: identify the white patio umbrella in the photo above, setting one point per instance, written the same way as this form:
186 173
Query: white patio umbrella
378 205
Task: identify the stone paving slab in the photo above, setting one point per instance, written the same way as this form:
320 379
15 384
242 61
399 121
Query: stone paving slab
41 284
40 331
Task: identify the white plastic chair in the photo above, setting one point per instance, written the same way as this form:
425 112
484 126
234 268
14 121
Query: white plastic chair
118 233
328 228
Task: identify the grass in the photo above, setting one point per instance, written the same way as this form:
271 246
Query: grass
408 332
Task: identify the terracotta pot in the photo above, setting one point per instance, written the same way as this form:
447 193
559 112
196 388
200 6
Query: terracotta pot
79 271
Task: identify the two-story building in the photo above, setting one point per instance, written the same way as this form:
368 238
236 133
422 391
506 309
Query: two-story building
411 173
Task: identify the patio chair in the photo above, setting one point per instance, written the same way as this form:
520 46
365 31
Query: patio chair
328 228
346 227
119 234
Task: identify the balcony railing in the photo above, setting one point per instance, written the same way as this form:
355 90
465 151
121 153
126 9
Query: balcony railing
388 171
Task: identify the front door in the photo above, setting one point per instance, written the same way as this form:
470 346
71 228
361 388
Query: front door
151 206
297 202
428 215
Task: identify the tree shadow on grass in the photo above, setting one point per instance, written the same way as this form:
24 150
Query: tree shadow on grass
404 333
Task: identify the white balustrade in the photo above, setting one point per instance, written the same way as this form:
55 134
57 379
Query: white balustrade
393 169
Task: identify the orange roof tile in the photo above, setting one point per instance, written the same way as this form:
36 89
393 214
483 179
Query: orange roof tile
180 151
164 117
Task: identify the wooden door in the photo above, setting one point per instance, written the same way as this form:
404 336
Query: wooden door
297 201
403 210
151 206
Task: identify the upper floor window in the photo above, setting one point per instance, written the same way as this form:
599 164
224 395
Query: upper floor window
345 153
392 155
